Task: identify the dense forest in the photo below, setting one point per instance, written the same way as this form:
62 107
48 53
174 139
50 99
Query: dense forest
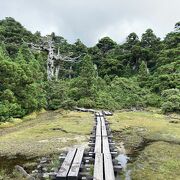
139 73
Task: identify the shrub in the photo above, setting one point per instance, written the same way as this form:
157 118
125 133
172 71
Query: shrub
86 102
153 100
171 100
105 101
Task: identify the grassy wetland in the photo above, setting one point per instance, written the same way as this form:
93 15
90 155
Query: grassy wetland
151 141
22 142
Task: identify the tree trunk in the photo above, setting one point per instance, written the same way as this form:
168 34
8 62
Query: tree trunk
57 69
70 71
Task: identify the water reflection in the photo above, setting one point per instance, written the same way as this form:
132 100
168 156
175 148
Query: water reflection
123 160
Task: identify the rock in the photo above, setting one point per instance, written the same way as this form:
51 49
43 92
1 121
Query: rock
54 169
52 175
35 171
44 169
23 172
39 166
45 175
44 160
39 176
62 157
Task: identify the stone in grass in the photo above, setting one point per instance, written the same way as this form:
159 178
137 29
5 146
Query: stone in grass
52 175
45 175
35 171
44 160
39 167
44 169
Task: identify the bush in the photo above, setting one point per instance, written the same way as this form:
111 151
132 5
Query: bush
127 93
86 102
68 104
153 100
105 101
8 110
171 100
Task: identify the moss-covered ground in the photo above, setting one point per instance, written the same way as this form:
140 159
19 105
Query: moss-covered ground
152 141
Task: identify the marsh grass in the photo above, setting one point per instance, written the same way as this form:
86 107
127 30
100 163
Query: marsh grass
157 160
147 125
38 136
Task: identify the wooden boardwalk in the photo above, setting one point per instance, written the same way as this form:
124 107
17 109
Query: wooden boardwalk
103 166
71 166
79 161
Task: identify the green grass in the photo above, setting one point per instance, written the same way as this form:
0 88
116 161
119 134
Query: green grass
158 160
36 137
147 125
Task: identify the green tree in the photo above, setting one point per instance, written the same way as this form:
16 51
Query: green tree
83 89
12 33
150 47
143 74
105 44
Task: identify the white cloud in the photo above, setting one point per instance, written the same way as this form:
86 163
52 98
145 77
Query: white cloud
89 20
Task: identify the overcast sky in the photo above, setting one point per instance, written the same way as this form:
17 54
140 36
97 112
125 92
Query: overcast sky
90 20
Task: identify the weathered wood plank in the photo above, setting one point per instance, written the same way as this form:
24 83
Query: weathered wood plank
97 113
103 126
98 127
108 167
100 114
97 148
98 167
106 149
63 171
75 167
107 113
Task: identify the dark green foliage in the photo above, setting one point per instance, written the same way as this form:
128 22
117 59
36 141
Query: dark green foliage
152 99
127 93
12 33
57 95
171 100
105 44
21 88
143 74
83 88
138 73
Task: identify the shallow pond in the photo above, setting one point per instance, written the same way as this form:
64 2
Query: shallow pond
123 161
8 163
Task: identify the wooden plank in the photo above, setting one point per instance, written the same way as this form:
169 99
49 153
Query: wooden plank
97 148
106 149
63 171
98 127
104 131
75 167
108 167
98 167
98 136
100 114
97 113
105 113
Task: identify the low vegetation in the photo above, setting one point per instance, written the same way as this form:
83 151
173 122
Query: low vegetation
152 141
48 133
